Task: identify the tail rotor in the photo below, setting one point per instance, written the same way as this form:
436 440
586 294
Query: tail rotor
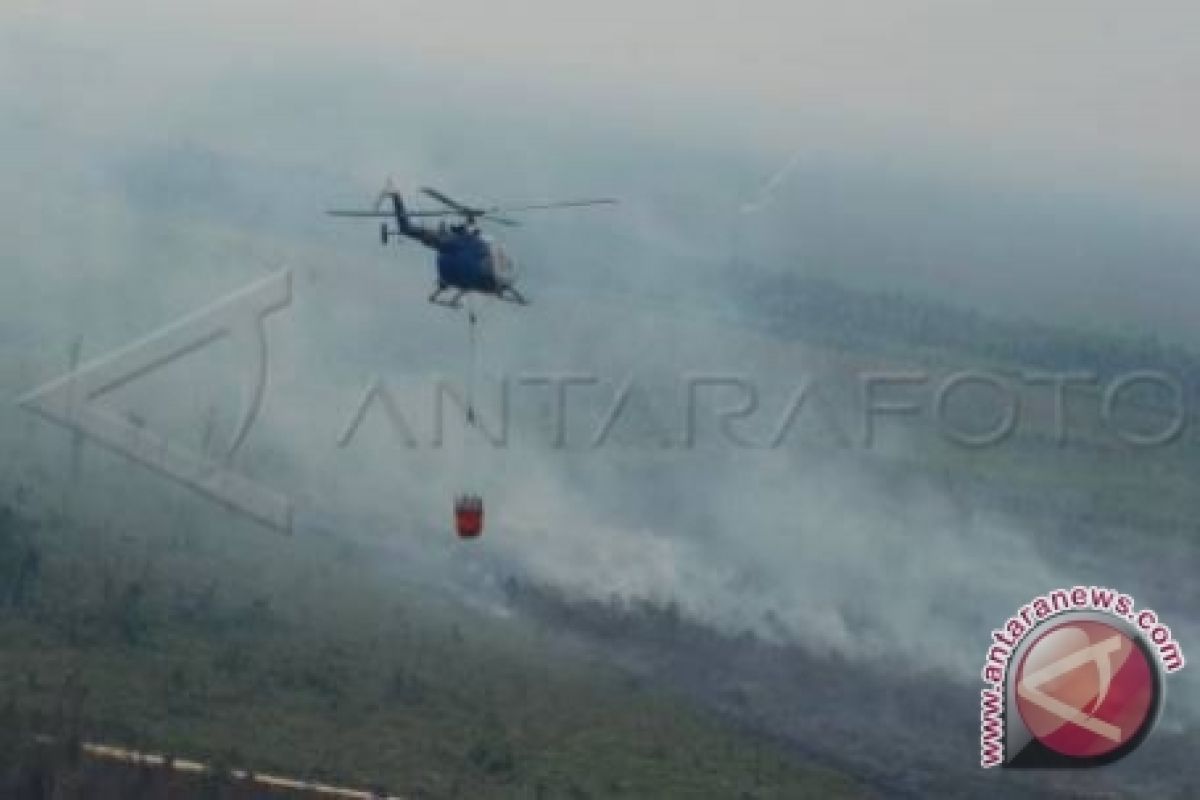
390 192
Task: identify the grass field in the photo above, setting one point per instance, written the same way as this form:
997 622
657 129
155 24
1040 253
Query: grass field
377 686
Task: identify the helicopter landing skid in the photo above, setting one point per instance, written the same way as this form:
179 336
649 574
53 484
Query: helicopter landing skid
453 302
513 296
508 294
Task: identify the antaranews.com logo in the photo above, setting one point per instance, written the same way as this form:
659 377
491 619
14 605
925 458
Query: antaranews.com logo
1074 679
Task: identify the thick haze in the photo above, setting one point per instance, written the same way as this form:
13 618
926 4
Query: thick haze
1010 157
997 138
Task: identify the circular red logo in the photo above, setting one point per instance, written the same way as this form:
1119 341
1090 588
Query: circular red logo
1086 688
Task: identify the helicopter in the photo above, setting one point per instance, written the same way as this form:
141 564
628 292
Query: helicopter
468 260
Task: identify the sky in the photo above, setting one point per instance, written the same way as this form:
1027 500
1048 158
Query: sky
1049 127
1088 82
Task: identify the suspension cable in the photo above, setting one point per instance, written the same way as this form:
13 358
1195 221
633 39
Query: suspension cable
473 334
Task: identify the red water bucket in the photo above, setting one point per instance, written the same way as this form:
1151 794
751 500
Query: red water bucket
468 516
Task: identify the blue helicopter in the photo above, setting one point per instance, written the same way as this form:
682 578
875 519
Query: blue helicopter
467 259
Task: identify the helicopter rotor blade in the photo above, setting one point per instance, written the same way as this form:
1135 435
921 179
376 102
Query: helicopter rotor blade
387 214
599 201
450 202
453 208
338 212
